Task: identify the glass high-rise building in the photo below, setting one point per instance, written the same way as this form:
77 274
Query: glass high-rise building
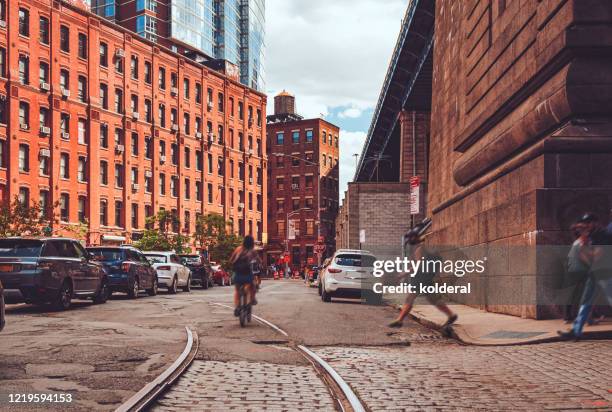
233 30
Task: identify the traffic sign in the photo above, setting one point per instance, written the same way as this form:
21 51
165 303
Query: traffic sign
319 249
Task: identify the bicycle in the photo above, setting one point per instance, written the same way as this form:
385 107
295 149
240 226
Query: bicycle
244 308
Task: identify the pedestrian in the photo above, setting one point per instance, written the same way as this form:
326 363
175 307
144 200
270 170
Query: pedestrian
418 252
577 271
597 253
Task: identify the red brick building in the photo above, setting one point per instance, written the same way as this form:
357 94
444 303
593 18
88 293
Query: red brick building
302 183
115 128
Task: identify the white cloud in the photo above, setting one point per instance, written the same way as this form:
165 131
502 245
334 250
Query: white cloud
351 113
330 53
350 144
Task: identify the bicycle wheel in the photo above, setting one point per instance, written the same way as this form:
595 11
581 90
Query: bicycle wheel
243 308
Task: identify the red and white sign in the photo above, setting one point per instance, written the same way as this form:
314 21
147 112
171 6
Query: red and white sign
415 195
319 249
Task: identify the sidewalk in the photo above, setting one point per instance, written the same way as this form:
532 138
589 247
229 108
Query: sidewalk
477 327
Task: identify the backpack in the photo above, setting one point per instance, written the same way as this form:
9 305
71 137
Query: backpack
242 265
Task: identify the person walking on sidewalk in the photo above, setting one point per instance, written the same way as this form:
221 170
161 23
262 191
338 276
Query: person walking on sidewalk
417 252
598 253
577 271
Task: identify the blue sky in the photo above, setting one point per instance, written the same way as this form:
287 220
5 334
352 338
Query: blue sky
333 56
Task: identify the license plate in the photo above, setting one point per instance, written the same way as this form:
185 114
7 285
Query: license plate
6 268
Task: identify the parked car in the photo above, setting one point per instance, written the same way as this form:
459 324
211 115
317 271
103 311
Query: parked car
317 281
221 277
348 274
128 270
201 272
171 273
50 270
2 321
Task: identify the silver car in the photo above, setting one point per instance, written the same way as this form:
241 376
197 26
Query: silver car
348 273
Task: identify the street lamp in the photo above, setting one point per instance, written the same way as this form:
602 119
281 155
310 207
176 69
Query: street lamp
318 195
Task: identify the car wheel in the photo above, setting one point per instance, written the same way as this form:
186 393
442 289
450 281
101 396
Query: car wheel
134 290
320 289
325 297
173 287
103 293
154 288
187 287
63 300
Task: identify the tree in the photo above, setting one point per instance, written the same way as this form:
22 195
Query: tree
157 236
214 234
19 219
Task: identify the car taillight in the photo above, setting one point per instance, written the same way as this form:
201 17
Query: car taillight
334 270
125 266
163 268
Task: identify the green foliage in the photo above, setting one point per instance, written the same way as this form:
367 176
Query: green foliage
214 234
157 236
17 219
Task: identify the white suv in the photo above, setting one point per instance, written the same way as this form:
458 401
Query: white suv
171 273
348 274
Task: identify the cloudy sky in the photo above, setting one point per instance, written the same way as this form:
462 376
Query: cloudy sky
333 56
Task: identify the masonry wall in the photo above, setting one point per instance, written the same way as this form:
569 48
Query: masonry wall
520 132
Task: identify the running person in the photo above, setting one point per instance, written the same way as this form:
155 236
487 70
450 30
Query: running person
417 252
242 264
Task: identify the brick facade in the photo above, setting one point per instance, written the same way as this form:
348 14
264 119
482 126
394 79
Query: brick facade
293 184
173 134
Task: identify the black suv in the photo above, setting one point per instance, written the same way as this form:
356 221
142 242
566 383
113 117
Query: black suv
201 272
50 270
128 269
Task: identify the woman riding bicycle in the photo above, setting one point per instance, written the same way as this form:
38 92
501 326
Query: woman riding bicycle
242 263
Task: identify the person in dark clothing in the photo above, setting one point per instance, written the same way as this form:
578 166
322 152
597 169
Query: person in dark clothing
242 260
577 271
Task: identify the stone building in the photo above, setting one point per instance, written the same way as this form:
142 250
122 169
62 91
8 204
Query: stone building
517 145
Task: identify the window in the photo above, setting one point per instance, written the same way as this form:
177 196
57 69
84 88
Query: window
24 22
209 95
173 80
118 64
118 175
258 117
134 103
174 153
173 117
104 96
148 69
186 124
220 103
103 54
187 189
134 67
134 144
103 212
309 203
135 215
162 184
309 136
280 183
336 141
118 213
162 115
210 163
3 10
231 107
64 166
324 137
220 133
220 166
43 201
280 228
64 80
134 175
199 160
231 168
44 164
162 150
187 157
210 193
43 117
259 176
2 62
295 182
82 91
24 69
104 135
64 39
3 112
82 46
118 101
198 191
241 142
119 137
309 180
24 115
280 205
148 148
186 88
82 132
241 110
64 204
24 158
174 186
162 78
240 170
280 138
198 93
295 161
150 5
250 201
295 204
259 203
148 180
24 196
82 169
103 172
280 161
43 30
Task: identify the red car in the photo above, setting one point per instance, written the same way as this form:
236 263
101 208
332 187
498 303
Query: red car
220 276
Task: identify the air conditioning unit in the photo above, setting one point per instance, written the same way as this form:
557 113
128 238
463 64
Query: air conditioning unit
210 105
66 135
3 23
45 130
45 152
135 115
174 91
23 126
162 159
45 86
135 186
250 152
250 180
120 53
65 92
295 186
198 135
148 173
174 127
240 206
120 148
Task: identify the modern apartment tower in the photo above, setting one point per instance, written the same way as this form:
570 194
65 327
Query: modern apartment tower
231 30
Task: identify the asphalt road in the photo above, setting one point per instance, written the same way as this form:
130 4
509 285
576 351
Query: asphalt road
103 354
